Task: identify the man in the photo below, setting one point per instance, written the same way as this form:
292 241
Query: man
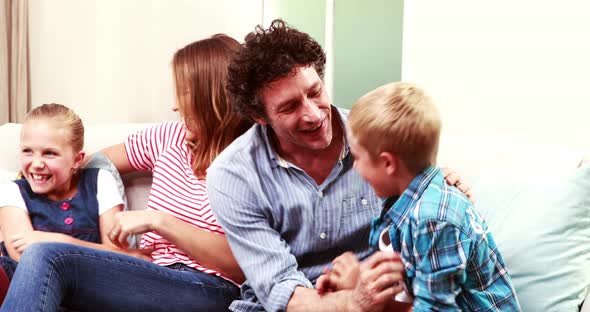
285 191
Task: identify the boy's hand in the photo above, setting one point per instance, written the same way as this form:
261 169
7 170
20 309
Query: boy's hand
454 179
324 285
345 271
381 277
343 275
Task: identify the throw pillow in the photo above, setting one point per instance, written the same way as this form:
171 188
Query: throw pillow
541 225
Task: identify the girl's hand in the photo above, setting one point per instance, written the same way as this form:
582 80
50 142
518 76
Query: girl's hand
21 241
132 222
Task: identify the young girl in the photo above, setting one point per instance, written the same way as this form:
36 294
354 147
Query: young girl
55 200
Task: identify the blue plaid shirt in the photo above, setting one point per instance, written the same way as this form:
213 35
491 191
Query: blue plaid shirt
451 260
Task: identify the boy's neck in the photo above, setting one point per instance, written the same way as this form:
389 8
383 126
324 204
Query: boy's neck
402 183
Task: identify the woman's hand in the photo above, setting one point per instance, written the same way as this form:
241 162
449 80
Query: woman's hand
141 253
132 222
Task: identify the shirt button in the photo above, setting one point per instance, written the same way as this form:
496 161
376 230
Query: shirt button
65 206
323 235
364 201
321 194
69 220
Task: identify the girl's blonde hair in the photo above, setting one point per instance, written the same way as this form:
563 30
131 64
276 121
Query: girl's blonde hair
200 72
64 115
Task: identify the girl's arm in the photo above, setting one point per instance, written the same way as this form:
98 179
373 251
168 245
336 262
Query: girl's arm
209 249
13 220
19 234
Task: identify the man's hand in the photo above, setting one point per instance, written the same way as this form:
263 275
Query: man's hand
381 277
343 275
454 179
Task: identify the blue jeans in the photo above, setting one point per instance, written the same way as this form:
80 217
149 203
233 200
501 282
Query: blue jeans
87 279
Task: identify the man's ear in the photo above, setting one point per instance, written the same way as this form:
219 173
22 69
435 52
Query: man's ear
389 162
79 159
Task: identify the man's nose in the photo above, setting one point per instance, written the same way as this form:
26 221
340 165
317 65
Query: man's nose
311 112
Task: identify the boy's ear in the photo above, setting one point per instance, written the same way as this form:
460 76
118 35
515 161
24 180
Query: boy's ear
389 162
79 159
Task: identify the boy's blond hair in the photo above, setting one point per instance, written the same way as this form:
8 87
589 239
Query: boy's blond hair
399 118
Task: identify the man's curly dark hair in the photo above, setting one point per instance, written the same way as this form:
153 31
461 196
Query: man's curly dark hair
266 56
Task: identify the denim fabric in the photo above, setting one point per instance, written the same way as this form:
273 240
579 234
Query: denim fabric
79 219
8 264
87 279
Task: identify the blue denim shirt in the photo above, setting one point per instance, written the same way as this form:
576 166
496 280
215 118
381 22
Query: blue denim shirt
282 227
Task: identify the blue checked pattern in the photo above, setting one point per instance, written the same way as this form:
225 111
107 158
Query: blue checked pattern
451 260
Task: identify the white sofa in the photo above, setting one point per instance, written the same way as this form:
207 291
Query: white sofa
531 225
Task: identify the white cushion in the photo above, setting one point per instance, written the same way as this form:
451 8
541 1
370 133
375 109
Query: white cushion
541 224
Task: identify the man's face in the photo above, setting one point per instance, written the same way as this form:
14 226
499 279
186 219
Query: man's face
298 110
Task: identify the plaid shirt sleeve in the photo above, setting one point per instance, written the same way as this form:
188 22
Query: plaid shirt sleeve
441 261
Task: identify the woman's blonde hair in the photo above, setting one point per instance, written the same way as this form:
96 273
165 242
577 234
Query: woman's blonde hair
200 72
400 118
65 116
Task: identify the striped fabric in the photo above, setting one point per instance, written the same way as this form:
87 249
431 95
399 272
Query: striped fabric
175 189
451 260
283 228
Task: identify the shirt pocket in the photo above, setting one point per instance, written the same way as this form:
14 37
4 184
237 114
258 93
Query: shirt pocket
357 213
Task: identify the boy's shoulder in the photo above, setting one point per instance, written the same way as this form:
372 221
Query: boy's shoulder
444 203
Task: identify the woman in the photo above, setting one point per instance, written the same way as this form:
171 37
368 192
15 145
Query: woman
192 266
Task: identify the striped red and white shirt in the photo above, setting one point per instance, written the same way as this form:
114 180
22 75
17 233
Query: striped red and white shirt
175 190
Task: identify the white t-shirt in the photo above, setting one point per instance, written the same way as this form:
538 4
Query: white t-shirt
107 193
385 245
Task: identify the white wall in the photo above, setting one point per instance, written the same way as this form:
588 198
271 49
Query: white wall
517 70
109 60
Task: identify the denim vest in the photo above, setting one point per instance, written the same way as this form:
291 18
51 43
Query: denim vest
77 216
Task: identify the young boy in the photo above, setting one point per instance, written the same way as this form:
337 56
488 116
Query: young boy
451 260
